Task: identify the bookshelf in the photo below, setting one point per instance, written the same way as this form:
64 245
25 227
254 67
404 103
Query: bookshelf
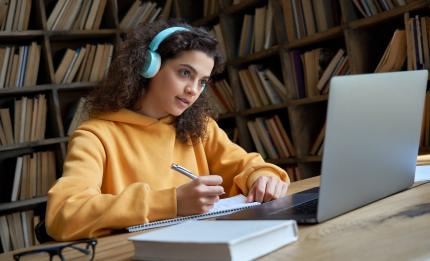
32 23
364 40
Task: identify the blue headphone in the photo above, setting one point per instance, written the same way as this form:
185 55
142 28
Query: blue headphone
152 58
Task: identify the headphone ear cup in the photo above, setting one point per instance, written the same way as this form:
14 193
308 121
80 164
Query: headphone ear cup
151 65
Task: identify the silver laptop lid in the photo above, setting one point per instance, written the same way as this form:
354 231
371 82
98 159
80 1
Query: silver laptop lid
372 138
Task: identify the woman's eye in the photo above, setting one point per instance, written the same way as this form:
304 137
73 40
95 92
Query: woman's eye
203 83
184 73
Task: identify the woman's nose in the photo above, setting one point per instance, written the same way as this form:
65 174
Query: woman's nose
192 88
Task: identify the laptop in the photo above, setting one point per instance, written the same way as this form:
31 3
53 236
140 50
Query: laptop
370 148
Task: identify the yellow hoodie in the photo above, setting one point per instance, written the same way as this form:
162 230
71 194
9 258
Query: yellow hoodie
117 173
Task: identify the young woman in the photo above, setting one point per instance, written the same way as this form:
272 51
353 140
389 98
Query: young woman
144 118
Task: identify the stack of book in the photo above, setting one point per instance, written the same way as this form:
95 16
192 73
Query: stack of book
261 86
140 13
34 175
76 15
313 70
307 17
29 121
257 31
19 65
372 7
15 15
318 145
211 7
79 115
89 63
270 138
222 96
395 54
16 230
217 32
417 41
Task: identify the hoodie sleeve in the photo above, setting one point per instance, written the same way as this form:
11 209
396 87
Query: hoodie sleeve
77 208
238 168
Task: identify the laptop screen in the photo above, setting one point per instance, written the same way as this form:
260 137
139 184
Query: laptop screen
372 138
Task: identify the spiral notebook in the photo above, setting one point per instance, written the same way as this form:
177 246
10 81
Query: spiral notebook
222 207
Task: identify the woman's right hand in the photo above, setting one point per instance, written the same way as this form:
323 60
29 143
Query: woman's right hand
199 195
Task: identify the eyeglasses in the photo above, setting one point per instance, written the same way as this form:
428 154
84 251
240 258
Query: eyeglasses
82 250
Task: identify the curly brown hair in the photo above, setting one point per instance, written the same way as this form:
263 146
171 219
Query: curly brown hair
123 86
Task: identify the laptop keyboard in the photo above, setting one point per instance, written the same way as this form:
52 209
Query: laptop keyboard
309 207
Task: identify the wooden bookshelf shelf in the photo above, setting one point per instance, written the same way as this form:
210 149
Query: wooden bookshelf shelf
22 204
309 100
227 115
65 35
33 144
268 108
76 86
206 20
283 161
385 16
23 35
309 159
255 57
335 32
246 4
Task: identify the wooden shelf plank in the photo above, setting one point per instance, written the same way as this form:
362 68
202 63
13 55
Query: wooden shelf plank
21 204
282 161
382 17
267 108
335 32
310 158
272 51
309 100
8 35
33 144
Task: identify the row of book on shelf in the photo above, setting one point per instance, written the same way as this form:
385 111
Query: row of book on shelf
17 230
79 113
88 63
19 65
261 86
373 7
222 96
257 31
76 15
140 13
34 175
410 44
311 71
270 138
306 17
29 121
15 15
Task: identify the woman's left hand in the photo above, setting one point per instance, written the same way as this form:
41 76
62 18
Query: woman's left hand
267 188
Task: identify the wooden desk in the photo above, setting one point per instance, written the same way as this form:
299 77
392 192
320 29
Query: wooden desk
395 228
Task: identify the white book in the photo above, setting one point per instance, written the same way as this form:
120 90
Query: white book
222 207
17 179
215 240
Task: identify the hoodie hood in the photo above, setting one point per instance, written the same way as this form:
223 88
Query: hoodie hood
131 117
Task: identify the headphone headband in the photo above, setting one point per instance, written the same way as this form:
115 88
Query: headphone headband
161 36
152 61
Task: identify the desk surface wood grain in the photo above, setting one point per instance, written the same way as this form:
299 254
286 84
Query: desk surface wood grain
394 228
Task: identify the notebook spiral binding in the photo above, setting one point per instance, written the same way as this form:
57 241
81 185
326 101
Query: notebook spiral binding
173 221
